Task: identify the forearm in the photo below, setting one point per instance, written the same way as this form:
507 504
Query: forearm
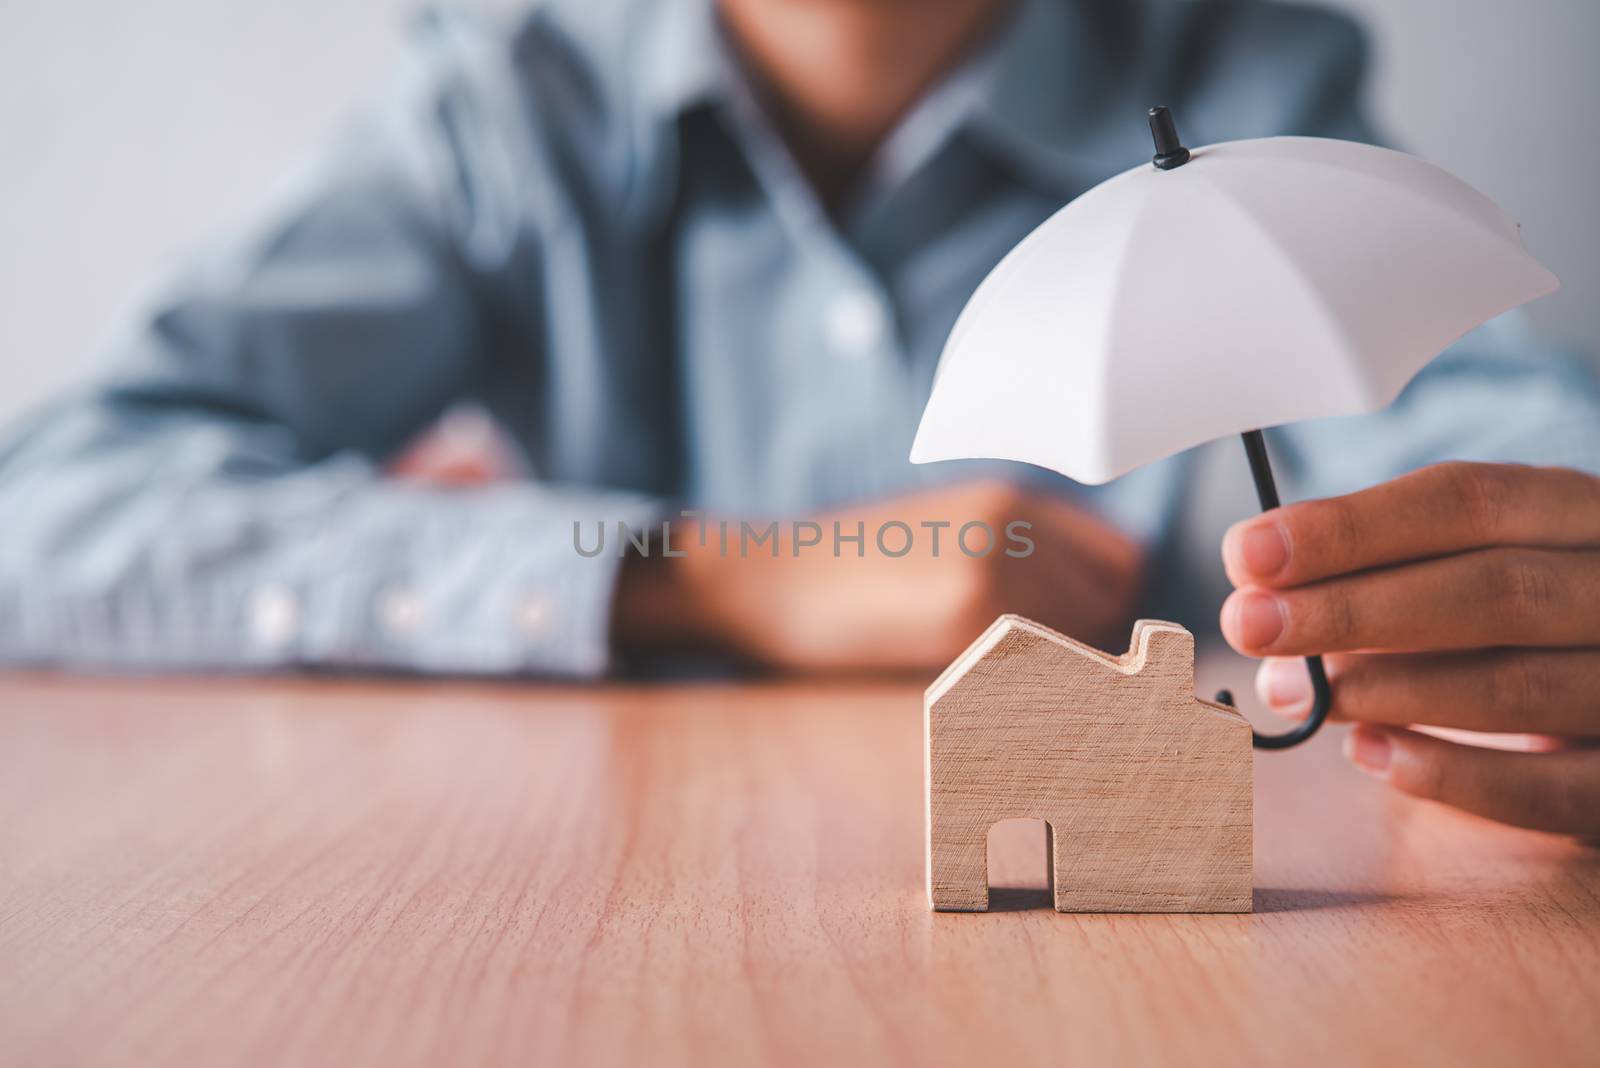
664 606
793 603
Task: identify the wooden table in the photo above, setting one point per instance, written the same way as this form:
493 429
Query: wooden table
355 873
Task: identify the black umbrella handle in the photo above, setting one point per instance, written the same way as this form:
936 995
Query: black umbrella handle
1255 447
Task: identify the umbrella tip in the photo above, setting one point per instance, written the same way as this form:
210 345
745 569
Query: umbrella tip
1170 152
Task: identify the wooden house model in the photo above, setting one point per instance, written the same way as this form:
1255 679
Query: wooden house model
1145 789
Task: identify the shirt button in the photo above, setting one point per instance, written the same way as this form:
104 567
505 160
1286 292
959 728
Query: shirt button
274 615
535 616
854 323
402 613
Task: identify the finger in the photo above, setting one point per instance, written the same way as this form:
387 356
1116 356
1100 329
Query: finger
1557 792
1492 597
1447 508
1524 691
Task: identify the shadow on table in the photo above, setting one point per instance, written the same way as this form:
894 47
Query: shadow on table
1267 899
1279 899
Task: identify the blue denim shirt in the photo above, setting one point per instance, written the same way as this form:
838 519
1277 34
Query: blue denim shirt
584 223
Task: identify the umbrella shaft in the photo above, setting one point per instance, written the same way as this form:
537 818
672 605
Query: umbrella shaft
1255 447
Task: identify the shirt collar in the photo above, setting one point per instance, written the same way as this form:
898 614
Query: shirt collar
686 62
1050 94
1058 93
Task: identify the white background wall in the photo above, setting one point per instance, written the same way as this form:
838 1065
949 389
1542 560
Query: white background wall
130 131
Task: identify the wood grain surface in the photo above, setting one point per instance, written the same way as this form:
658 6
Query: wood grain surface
348 873
1144 789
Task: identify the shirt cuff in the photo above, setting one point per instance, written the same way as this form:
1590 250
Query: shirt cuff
479 582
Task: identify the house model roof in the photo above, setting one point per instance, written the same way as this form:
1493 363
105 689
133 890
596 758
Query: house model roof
1134 661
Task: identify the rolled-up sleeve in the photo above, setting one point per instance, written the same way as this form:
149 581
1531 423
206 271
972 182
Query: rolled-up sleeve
216 498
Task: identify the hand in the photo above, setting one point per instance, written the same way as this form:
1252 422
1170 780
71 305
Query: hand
815 611
1460 596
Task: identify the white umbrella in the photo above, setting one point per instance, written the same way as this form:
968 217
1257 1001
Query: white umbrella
1242 285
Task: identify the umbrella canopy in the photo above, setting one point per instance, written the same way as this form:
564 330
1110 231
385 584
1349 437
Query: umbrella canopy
1243 285
1260 282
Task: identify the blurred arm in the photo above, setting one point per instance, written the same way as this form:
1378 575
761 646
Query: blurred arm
216 499
1498 394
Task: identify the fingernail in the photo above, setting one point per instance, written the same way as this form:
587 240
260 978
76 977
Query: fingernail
1369 750
1284 685
1263 549
1258 619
